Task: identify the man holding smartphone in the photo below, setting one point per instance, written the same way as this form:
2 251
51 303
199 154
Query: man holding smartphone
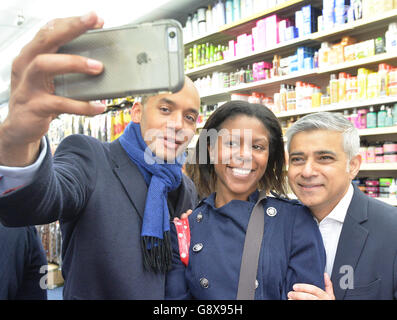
113 200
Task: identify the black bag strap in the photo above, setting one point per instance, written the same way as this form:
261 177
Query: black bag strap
252 247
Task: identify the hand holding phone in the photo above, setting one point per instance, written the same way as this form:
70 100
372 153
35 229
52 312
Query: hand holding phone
33 105
138 59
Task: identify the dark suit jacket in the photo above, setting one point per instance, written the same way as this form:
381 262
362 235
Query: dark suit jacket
368 247
99 195
21 260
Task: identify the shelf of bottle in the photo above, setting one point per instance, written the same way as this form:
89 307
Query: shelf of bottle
361 25
378 166
378 58
228 63
377 131
227 27
300 75
339 106
316 37
257 84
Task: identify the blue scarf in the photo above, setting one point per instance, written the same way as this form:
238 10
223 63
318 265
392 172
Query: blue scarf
161 178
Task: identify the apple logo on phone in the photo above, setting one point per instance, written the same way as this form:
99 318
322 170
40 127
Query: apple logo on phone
143 58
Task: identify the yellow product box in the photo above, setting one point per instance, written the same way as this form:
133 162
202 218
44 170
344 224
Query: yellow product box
350 52
365 49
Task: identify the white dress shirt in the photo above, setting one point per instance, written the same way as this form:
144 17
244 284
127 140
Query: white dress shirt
14 177
331 227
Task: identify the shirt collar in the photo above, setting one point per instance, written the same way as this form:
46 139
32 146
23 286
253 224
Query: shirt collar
340 211
210 200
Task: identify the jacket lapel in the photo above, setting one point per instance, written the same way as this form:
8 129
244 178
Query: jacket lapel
129 176
351 243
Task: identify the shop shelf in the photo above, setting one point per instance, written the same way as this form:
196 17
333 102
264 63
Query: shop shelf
229 63
359 26
378 167
246 23
368 61
378 131
339 106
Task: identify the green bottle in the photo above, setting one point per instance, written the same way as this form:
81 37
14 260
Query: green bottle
207 53
389 117
198 61
382 117
395 114
371 118
212 53
195 58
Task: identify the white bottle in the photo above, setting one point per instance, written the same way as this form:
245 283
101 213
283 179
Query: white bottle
188 28
195 28
209 20
391 37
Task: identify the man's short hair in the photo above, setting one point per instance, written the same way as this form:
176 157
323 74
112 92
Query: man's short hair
328 121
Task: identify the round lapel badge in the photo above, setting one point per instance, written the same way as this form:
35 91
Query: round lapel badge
271 211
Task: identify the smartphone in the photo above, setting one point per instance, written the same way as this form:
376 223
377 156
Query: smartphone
138 59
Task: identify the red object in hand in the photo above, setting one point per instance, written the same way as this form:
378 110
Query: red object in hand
183 234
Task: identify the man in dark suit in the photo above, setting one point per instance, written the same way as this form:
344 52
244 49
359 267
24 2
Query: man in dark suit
359 233
23 264
115 239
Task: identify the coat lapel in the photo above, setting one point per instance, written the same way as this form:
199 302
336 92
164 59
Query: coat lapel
129 176
351 243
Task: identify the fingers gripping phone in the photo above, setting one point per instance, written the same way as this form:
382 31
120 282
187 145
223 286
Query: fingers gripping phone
138 60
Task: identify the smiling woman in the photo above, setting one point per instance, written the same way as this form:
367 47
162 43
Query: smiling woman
247 148
240 152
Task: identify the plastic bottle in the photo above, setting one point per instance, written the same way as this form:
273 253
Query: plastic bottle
229 11
283 98
309 95
371 118
354 88
342 86
392 87
391 37
218 15
236 10
381 117
195 28
362 75
316 97
202 24
323 54
188 27
372 85
209 19
394 114
389 117
299 94
362 119
334 90
276 66
291 98
383 79
354 118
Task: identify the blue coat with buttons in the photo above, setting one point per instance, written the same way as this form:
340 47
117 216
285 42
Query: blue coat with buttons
292 251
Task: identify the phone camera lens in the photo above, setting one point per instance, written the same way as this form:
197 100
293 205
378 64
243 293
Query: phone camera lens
172 34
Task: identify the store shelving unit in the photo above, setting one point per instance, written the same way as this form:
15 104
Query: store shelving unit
363 29
231 29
